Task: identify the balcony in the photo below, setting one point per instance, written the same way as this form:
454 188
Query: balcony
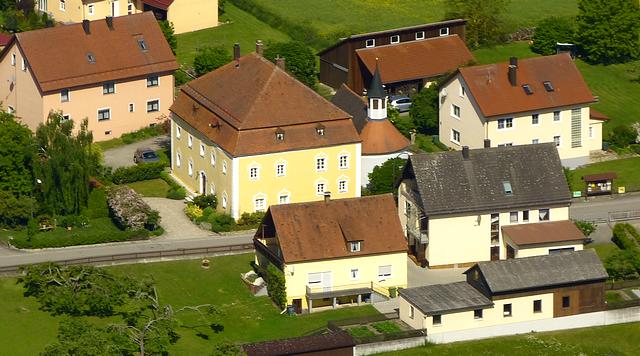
421 235
319 292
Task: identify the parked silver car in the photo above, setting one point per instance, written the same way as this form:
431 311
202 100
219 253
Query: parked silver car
402 102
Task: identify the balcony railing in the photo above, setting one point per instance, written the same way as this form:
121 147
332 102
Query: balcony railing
421 235
316 292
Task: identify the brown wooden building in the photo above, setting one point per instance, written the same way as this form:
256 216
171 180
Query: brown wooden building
340 64
329 344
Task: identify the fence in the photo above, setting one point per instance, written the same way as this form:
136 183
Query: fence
624 215
623 304
405 334
622 284
134 257
337 325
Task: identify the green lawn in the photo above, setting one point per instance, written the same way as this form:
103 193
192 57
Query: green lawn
244 29
604 250
337 18
621 339
245 317
151 188
628 170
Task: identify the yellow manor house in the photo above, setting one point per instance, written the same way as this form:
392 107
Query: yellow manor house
254 136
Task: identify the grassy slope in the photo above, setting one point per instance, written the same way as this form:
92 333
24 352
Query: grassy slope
244 29
245 318
618 339
151 188
604 249
332 17
628 171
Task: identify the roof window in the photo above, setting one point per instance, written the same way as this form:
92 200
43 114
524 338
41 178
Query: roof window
506 185
548 86
527 89
90 58
320 130
280 134
142 44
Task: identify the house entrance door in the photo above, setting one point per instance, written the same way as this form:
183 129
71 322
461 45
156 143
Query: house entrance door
203 183
495 253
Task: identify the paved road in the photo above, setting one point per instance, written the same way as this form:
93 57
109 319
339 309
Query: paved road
598 208
123 156
174 221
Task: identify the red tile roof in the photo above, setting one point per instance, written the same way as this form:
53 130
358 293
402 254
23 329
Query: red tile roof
600 177
491 89
417 59
240 108
160 4
543 233
320 230
597 115
381 137
4 39
57 56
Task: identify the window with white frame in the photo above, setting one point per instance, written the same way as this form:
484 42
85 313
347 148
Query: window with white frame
444 31
343 186
513 217
212 189
321 164
556 116
281 169
395 39
463 91
525 215
314 279
224 167
420 35
132 107
535 119
354 274
66 117
543 215
202 150
535 141
130 7
13 59
153 105
384 272
190 141
556 140
107 133
10 109
104 114
108 88
590 131
370 43
254 173
455 111
178 132
190 168
91 9
224 200
64 95
260 204
354 246
505 123
320 188
283 199
412 312
213 158
24 64
63 5
153 81
455 136
343 161
178 160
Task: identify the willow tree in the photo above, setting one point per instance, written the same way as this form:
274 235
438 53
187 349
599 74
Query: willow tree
64 165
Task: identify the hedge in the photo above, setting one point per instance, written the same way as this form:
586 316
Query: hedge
176 191
276 286
139 172
624 235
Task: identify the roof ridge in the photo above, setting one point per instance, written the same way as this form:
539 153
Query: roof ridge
266 84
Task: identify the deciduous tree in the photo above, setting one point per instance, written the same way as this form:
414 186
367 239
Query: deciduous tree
384 176
552 30
300 60
210 58
424 110
484 19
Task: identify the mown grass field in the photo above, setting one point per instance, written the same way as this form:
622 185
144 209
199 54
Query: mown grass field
244 29
335 18
620 339
26 330
628 170
151 188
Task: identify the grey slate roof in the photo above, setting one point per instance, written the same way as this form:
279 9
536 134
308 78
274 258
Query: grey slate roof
353 104
445 298
449 184
375 88
542 271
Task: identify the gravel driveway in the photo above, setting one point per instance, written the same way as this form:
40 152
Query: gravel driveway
173 220
123 156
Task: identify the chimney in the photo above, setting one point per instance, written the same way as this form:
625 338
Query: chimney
513 67
236 54
109 22
327 197
487 143
85 27
280 62
259 48
465 152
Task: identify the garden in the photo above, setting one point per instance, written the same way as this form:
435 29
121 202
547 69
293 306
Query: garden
202 212
29 324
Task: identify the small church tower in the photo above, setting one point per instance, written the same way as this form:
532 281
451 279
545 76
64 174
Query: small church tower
377 98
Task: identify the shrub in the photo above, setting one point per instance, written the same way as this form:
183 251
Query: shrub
210 58
623 265
221 222
97 205
73 221
622 234
138 172
622 136
635 148
550 31
176 194
129 211
276 286
144 133
586 227
206 200
251 220
193 211
15 210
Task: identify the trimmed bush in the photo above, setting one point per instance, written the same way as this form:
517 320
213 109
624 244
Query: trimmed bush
129 211
145 171
176 191
251 220
276 286
623 236
205 201
221 222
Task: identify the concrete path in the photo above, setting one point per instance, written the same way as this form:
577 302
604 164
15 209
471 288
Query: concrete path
598 208
123 156
175 223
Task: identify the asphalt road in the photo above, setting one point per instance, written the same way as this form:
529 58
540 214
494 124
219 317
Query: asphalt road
598 208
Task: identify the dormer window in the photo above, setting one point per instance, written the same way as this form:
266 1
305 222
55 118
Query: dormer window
370 43
420 35
142 44
506 185
320 130
395 39
527 89
90 58
548 86
280 134
444 31
354 246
